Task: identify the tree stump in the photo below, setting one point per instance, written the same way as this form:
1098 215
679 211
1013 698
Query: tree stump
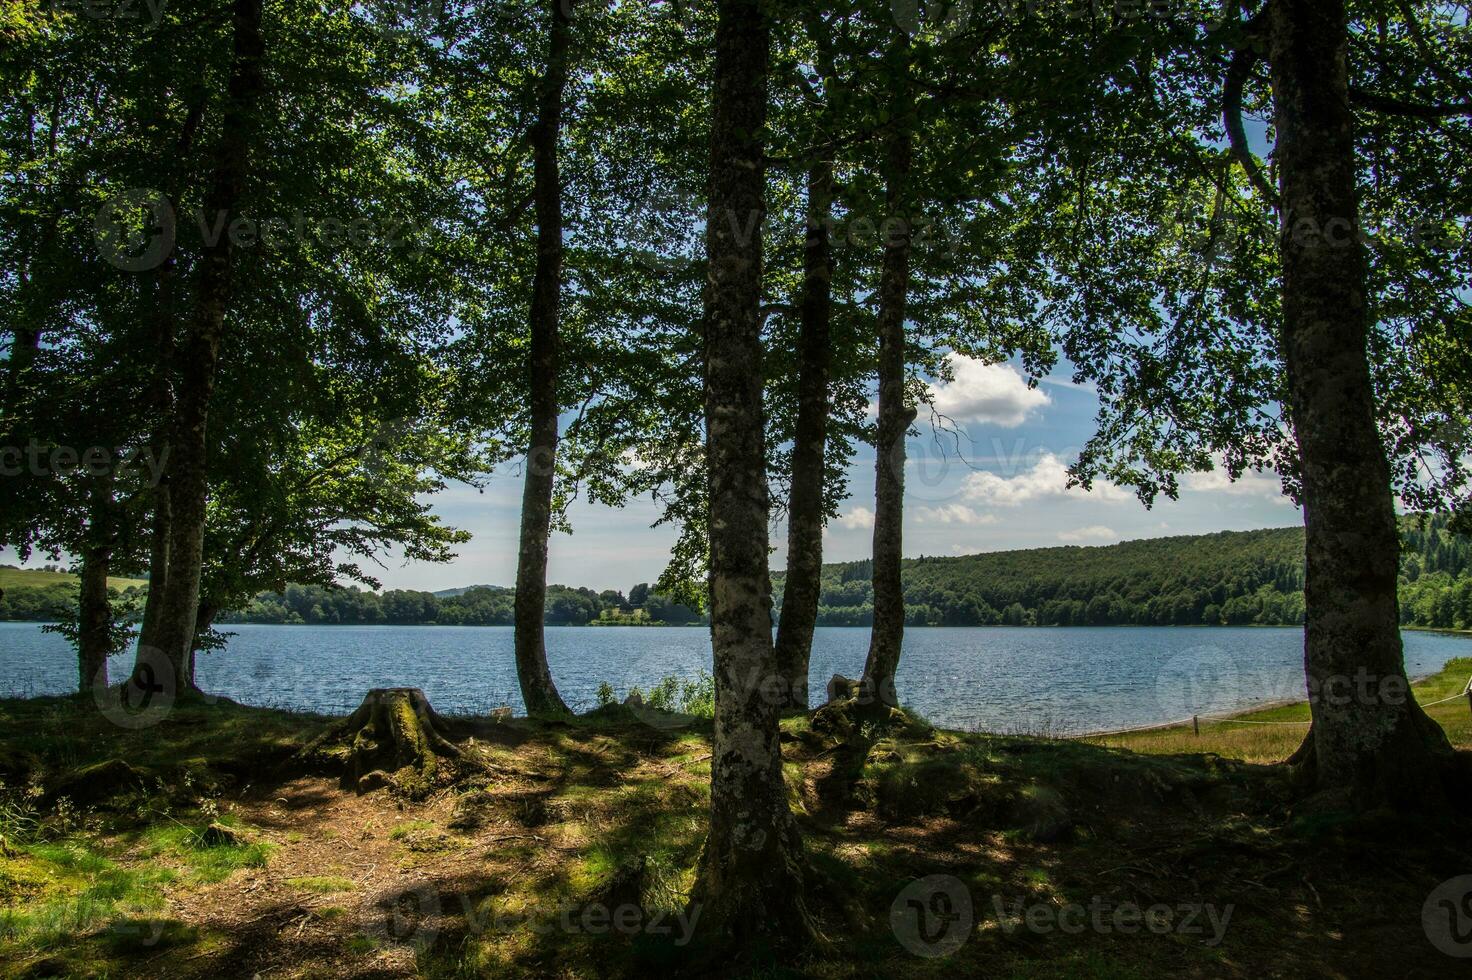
391 740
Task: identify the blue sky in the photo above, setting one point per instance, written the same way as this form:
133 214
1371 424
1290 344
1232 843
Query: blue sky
1007 493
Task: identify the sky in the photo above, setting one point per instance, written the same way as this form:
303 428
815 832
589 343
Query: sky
1005 491
1008 492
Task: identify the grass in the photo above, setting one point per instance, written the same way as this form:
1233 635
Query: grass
1271 734
569 810
405 830
207 862
57 890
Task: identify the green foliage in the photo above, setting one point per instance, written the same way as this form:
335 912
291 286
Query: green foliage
1231 578
479 606
127 610
678 695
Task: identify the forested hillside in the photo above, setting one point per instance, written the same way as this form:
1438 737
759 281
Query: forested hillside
1230 578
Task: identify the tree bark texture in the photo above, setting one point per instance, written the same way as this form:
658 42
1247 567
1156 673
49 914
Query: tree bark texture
895 416
198 355
537 688
803 585
94 622
1369 738
750 889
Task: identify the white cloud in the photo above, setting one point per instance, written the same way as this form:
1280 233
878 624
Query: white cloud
859 517
1094 532
953 514
1252 483
1048 479
983 392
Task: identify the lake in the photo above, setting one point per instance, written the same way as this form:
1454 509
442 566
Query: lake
1015 679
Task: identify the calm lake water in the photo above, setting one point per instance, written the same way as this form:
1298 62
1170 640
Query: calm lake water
1015 679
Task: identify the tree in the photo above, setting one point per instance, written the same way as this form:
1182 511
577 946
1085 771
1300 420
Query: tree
895 411
750 887
537 688
198 356
1374 744
806 508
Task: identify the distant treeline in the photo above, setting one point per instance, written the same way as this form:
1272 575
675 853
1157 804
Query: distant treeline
43 604
1231 578
480 606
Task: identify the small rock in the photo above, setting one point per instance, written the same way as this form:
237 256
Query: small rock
841 688
218 833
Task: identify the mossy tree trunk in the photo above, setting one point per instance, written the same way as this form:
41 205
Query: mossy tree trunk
895 413
537 688
1369 740
750 888
158 568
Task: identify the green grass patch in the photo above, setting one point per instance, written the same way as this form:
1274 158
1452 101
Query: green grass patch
208 862
1271 734
59 890
36 578
404 830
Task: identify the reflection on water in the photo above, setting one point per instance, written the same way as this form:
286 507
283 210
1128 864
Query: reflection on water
988 678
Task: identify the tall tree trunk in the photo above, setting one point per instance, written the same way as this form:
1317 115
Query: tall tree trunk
199 354
750 890
94 623
164 311
803 585
1369 739
537 688
163 403
895 416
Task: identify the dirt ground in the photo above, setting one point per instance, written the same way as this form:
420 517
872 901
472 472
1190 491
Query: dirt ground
567 850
